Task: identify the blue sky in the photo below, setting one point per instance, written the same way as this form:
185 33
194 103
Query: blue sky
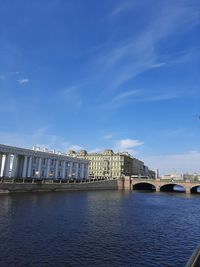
103 74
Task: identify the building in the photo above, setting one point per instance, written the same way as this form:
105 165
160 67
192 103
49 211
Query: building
18 162
110 164
195 177
173 177
188 177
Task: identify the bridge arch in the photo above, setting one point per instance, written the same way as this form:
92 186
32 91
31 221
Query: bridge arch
173 188
144 186
195 189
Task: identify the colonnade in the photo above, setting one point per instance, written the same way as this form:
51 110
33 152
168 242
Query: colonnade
37 164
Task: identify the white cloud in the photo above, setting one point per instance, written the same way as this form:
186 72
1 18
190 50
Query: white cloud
127 145
23 81
183 163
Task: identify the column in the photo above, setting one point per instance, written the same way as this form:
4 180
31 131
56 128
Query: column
7 166
1 160
70 169
76 170
29 166
82 170
14 166
39 167
86 167
56 170
48 167
63 170
24 167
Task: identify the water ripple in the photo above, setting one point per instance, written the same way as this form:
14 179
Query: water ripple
107 228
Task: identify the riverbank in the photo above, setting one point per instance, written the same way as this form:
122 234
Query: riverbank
14 187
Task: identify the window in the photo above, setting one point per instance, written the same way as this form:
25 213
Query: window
51 173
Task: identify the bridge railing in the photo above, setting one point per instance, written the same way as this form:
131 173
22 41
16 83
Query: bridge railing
165 180
53 181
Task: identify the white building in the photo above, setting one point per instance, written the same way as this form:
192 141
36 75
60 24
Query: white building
18 162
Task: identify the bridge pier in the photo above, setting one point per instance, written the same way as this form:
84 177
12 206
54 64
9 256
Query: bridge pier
187 190
157 188
127 183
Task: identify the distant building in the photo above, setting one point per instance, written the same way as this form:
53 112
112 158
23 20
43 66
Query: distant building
173 176
112 164
191 177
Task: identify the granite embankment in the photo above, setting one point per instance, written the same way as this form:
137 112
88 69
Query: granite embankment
42 187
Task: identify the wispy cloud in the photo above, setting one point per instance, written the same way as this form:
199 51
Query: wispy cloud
134 96
163 97
71 96
186 162
122 61
158 65
2 77
127 145
127 61
39 137
107 136
124 6
95 150
123 98
127 94
12 74
23 81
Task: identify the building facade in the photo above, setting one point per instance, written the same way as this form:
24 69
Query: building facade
188 177
18 162
110 164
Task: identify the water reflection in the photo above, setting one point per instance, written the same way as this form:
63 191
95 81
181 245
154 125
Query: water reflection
179 188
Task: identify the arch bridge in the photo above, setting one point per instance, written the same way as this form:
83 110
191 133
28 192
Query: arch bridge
160 186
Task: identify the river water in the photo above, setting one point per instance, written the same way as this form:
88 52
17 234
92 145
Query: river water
99 228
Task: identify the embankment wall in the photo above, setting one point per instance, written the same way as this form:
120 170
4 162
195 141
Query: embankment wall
28 187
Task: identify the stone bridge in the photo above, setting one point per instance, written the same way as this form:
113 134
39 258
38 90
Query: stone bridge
158 185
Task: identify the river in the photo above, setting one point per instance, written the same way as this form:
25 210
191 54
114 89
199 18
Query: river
99 228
